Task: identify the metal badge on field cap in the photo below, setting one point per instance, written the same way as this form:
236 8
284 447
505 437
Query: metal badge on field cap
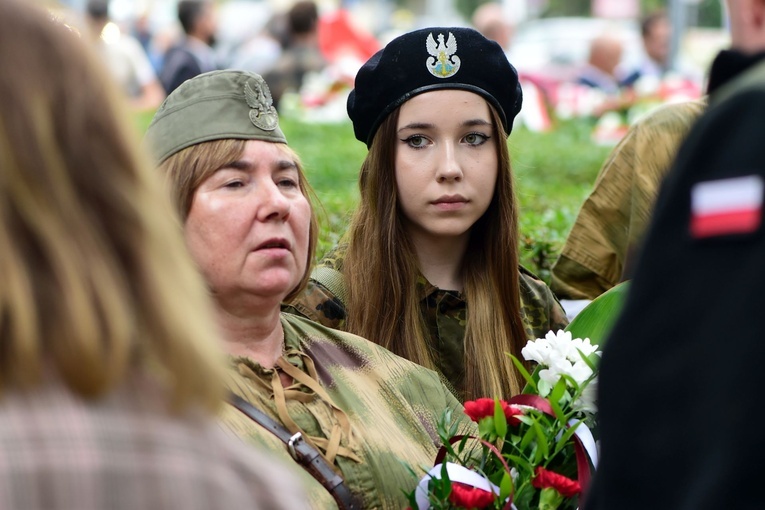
263 114
443 62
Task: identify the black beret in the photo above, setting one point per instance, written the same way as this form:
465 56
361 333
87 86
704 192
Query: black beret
431 59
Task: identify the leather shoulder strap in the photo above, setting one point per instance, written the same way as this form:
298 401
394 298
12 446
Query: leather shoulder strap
303 453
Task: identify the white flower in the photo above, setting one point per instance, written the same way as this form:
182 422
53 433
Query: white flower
584 346
588 401
559 354
580 372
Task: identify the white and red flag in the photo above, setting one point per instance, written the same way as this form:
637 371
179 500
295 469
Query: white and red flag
726 207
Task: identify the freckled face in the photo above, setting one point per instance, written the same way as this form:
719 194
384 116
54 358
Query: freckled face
249 223
446 163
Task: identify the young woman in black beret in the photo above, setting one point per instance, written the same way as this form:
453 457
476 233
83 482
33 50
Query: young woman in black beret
429 265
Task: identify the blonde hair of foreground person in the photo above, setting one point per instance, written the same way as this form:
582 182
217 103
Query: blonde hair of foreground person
96 280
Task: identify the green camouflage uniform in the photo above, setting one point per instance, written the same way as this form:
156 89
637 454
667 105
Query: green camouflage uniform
601 245
392 404
445 313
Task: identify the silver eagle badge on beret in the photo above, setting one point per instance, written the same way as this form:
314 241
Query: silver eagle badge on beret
443 62
262 113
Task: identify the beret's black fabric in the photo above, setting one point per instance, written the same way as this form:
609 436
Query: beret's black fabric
430 59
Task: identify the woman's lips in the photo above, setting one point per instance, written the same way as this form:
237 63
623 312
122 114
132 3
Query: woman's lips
274 243
450 202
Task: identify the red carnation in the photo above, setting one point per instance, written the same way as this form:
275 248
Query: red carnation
466 496
484 407
549 479
511 412
479 408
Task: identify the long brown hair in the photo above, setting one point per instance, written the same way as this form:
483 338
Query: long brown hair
188 168
96 280
381 270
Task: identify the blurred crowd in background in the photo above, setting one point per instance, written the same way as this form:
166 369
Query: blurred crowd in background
611 70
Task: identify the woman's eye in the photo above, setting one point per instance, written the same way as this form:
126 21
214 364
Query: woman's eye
416 141
288 183
233 184
476 138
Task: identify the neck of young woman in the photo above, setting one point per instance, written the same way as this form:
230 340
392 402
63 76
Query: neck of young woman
440 260
254 332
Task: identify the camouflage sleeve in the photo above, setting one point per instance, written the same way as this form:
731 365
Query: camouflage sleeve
610 225
540 308
317 302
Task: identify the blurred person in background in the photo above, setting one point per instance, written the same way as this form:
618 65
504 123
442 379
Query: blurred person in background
109 356
301 54
491 20
244 202
601 70
194 54
261 51
656 33
144 33
679 387
125 58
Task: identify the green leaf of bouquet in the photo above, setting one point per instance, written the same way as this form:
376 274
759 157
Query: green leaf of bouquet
528 437
597 318
443 487
486 428
521 464
591 361
565 438
505 486
500 421
555 398
525 418
543 449
524 495
531 385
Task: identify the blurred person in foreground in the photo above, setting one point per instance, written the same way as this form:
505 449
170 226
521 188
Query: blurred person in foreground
250 226
601 246
679 388
108 353
194 54
125 58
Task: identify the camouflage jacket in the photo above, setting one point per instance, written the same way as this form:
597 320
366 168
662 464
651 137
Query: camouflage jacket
392 404
445 312
602 243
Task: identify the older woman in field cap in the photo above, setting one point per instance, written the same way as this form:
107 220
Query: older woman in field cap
429 266
249 224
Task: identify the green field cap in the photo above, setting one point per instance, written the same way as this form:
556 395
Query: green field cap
214 106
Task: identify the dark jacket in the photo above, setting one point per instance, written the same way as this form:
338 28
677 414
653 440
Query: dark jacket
680 380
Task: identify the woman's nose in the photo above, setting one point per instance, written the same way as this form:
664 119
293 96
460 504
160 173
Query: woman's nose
272 204
448 166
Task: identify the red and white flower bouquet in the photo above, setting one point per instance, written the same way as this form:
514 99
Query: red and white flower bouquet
533 451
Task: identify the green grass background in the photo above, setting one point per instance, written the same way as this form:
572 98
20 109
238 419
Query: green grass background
554 172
